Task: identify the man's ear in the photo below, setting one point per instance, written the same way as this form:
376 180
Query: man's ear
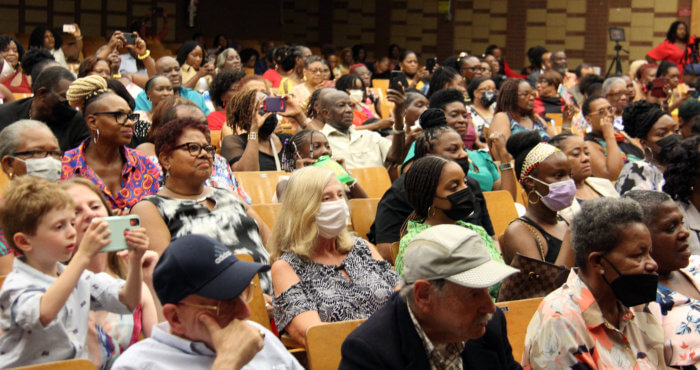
171 313
22 242
423 295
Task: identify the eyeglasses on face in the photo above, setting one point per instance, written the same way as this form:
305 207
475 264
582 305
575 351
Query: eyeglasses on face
39 154
246 296
121 117
601 111
195 149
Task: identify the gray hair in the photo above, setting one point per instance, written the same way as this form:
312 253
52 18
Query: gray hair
649 200
221 59
407 295
610 82
597 227
11 136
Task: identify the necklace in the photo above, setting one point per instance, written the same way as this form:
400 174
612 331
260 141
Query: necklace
196 196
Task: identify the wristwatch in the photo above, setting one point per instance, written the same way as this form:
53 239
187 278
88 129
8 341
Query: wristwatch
506 166
252 136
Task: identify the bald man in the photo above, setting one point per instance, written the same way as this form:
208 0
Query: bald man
168 67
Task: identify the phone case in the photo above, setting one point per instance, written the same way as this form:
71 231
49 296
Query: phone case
274 104
117 225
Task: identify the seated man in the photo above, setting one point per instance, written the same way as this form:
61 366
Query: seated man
49 105
443 317
204 290
359 148
168 67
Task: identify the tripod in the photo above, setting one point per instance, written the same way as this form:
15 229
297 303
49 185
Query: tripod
616 61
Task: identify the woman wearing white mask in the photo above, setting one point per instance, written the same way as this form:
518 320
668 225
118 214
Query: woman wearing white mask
27 147
322 273
544 173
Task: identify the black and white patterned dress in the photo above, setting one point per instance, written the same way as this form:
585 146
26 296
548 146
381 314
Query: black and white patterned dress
228 223
323 288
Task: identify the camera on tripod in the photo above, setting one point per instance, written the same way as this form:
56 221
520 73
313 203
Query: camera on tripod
616 34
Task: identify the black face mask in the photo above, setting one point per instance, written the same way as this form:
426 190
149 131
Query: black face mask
669 141
464 163
268 127
633 289
488 98
462 203
62 113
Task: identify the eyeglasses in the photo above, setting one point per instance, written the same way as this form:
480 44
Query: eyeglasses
195 149
602 111
40 154
121 117
315 71
246 296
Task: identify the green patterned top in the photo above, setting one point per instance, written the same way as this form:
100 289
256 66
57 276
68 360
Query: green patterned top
415 227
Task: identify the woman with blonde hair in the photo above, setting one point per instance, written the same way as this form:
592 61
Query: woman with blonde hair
321 272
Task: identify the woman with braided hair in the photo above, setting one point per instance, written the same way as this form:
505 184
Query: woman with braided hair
682 174
655 129
544 173
122 174
439 194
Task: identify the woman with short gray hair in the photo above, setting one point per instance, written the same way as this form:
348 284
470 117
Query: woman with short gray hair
27 147
588 322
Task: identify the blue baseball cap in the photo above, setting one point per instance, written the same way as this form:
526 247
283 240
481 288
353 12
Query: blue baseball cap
201 265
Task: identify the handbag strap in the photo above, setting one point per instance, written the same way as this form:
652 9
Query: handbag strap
535 234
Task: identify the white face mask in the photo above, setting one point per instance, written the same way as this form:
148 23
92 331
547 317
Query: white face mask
332 218
356 95
47 168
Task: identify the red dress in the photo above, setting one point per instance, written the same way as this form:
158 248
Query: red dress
24 86
669 51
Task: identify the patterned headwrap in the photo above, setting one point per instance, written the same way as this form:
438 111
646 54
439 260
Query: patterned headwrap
533 159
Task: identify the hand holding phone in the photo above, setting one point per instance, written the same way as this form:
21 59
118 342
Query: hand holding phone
117 226
430 64
274 104
396 77
130 38
69 28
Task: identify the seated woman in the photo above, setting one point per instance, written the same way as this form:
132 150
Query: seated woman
228 60
608 148
482 93
445 77
515 111
682 175
259 148
314 68
677 305
13 76
304 149
363 115
157 89
186 205
121 330
94 66
412 75
293 61
122 174
28 147
451 101
548 99
587 322
544 173
222 88
677 92
190 56
436 189
587 186
321 273
651 125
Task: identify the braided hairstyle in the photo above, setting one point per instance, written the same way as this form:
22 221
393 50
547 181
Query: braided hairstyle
421 182
639 117
241 109
432 117
290 148
87 90
310 108
519 145
425 143
681 171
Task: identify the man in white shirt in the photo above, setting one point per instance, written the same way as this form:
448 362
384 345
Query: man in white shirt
204 290
359 148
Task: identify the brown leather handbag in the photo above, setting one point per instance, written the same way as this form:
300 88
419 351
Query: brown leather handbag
536 279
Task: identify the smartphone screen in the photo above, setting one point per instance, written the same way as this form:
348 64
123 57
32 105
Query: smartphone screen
130 38
69 28
430 64
274 104
396 77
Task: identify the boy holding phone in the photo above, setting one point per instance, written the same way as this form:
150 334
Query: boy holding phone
45 304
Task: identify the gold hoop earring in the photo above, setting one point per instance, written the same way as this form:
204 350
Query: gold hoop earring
530 200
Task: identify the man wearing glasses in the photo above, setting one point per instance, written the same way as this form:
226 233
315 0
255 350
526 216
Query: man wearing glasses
49 105
205 290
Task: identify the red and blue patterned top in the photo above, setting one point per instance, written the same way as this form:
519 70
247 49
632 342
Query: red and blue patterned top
139 176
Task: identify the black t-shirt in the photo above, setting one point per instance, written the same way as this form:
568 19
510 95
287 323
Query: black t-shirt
69 134
266 161
394 208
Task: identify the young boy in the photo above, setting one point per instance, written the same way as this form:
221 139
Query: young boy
44 304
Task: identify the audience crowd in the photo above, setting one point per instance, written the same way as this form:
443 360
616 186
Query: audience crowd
126 230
